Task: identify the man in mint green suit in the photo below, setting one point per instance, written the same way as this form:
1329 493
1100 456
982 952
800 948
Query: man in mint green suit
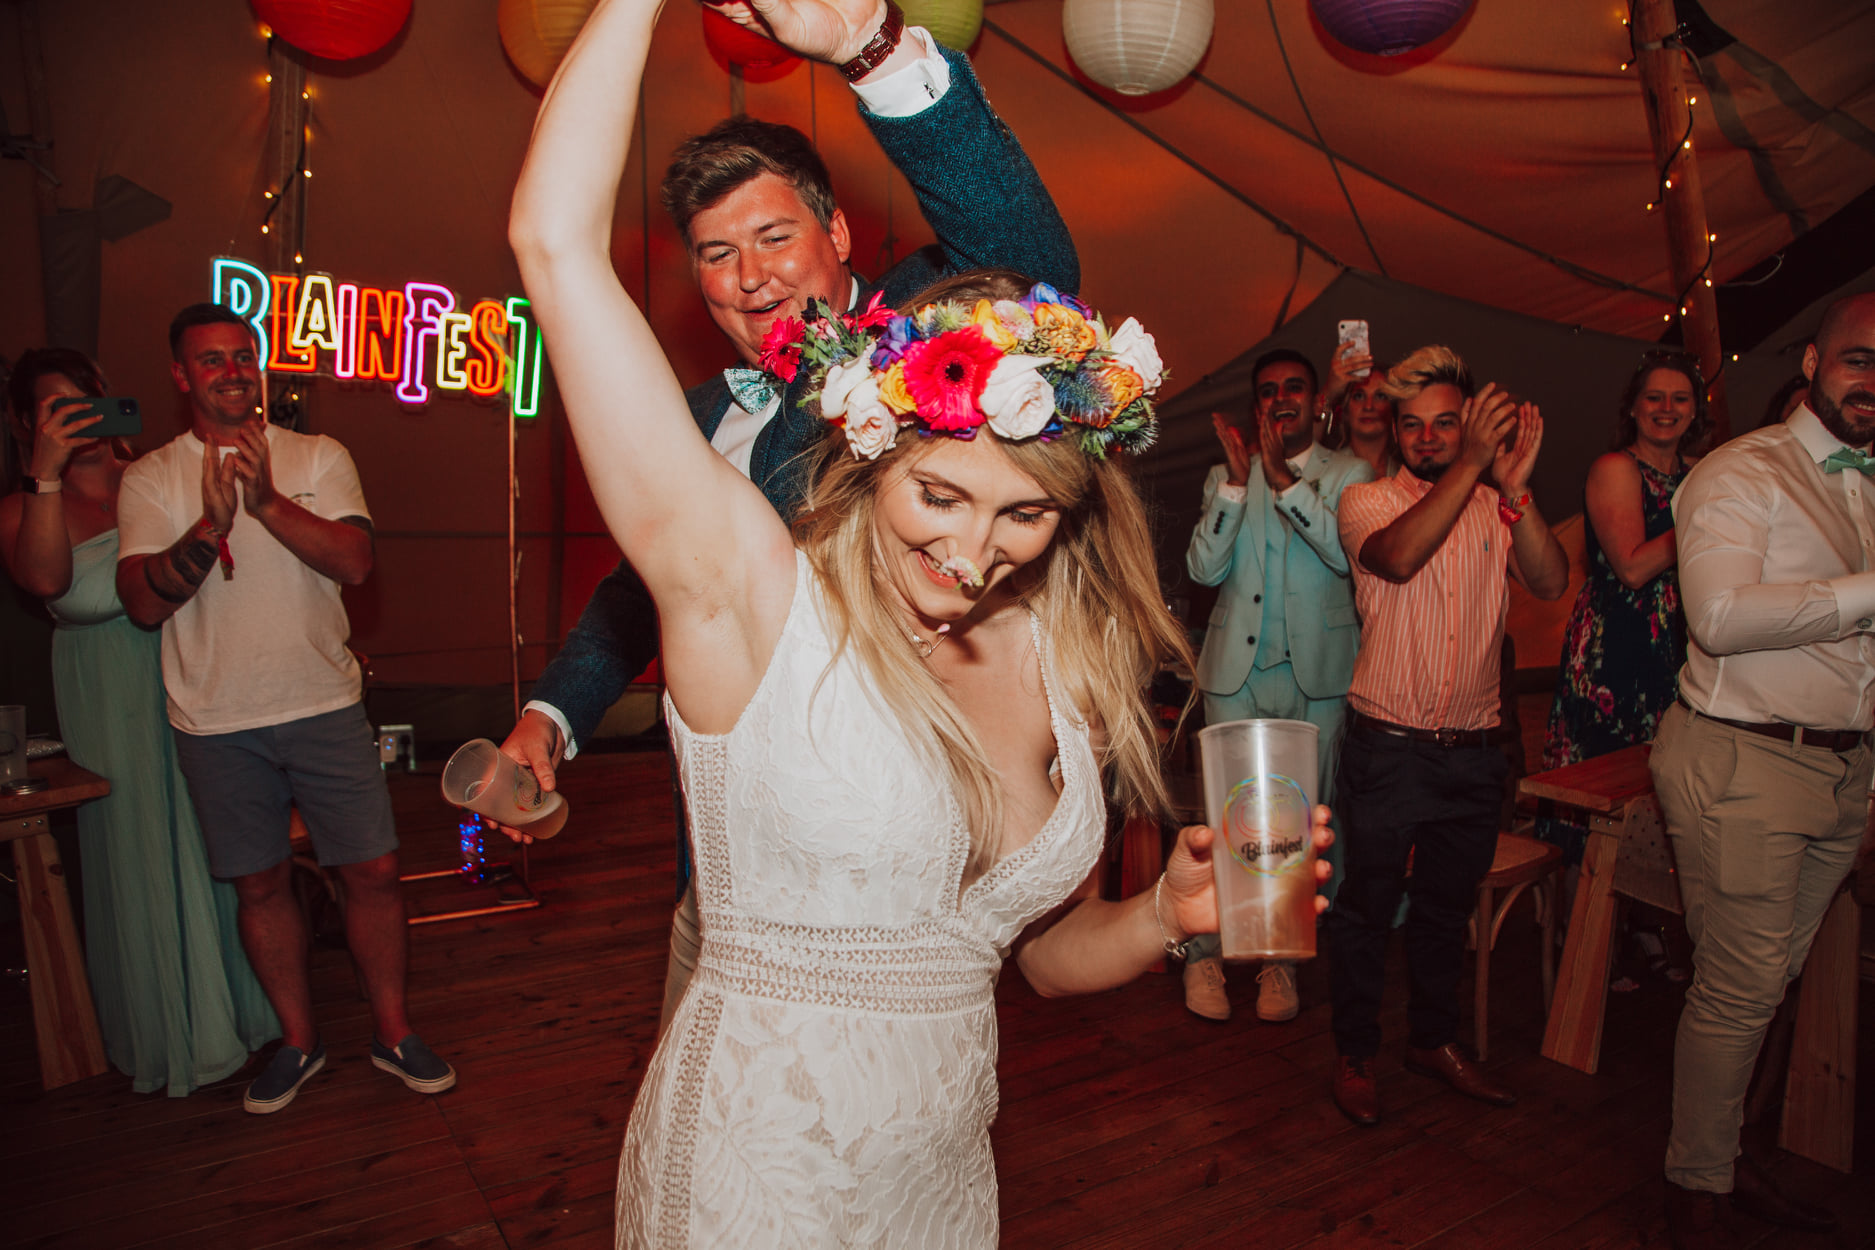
1281 641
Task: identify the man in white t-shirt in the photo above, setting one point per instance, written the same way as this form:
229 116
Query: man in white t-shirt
235 538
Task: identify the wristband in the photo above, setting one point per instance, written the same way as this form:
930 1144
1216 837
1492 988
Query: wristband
222 554
882 45
48 486
1510 511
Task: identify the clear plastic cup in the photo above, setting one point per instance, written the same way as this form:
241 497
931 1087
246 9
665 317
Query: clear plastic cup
479 777
1259 781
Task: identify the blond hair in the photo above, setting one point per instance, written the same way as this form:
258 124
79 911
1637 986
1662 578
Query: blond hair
1429 366
1094 590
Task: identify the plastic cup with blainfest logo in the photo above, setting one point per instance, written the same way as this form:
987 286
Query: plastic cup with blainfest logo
1259 788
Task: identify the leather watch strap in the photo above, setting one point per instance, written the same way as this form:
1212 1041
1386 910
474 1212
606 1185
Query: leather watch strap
882 45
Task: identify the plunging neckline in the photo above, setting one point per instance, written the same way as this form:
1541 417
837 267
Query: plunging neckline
1071 772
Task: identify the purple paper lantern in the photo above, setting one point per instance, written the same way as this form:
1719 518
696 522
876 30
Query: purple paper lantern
1388 27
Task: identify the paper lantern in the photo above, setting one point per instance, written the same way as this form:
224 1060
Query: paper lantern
739 46
1137 47
953 23
1388 27
536 33
337 30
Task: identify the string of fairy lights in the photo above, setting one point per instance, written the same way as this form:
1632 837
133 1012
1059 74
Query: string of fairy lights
273 197
1663 176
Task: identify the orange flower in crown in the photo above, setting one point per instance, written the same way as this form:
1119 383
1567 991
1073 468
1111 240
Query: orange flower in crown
1066 332
1125 385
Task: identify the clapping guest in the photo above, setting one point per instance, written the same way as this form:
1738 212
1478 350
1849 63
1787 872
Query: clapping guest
1283 637
1422 775
178 1005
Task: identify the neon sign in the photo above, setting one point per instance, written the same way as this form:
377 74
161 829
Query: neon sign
417 337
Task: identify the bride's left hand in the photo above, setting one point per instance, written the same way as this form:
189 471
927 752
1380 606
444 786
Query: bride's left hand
1191 891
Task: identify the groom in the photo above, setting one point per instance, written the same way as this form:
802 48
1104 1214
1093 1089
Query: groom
754 205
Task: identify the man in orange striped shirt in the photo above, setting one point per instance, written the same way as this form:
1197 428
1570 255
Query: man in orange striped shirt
1421 773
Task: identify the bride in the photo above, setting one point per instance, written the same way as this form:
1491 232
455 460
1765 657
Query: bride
897 728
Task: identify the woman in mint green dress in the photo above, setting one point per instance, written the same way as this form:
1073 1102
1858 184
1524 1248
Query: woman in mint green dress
177 1003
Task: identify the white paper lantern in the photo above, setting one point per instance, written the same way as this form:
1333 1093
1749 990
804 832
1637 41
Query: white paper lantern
1137 47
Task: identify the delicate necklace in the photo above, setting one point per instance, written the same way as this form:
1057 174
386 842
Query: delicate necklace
927 646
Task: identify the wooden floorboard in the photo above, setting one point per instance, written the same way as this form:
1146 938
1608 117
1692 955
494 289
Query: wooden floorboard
1126 1122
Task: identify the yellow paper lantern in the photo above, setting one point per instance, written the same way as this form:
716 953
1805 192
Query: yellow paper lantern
1137 47
536 33
953 23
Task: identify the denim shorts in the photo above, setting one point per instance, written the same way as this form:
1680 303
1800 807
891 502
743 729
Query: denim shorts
245 783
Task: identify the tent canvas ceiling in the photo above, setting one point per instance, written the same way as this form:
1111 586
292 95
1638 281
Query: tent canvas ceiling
1518 131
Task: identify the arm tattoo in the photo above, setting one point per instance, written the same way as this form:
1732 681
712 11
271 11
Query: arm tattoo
176 574
361 522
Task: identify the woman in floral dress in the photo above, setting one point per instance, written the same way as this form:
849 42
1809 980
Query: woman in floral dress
1626 637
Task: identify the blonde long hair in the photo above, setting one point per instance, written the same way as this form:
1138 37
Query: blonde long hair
1095 591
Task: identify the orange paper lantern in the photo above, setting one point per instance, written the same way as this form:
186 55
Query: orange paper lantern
536 33
337 30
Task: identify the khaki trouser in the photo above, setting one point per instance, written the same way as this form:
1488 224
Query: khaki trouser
1763 835
686 941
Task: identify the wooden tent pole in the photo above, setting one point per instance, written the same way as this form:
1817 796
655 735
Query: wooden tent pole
1689 238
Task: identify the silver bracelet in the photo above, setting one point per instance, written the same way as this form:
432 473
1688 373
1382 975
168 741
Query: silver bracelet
1171 947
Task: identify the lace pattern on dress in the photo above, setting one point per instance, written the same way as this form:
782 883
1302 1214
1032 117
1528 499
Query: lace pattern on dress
932 968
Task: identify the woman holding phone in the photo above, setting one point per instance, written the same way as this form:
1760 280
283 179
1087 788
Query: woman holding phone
177 1003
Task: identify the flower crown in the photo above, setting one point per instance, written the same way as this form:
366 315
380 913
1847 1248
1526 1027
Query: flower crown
1044 366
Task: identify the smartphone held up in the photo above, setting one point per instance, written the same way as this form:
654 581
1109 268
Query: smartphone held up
1351 340
118 416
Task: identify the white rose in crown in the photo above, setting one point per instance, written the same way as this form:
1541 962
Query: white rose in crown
842 380
1134 348
871 427
1017 399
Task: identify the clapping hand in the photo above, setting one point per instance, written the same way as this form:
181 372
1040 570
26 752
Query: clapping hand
1237 457
1486 418
1276 470
833 31
218 490
253 464
1516 457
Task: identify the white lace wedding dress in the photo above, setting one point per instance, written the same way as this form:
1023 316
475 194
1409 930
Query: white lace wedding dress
830 1078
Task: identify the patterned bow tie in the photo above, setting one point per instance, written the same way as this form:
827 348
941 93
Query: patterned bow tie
753 389
1849 458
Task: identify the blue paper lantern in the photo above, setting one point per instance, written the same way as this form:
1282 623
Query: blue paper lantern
1388 27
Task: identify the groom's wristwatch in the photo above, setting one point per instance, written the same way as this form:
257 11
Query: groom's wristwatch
880 47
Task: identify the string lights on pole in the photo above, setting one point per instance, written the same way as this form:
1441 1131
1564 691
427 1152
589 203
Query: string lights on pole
1676 41
273 197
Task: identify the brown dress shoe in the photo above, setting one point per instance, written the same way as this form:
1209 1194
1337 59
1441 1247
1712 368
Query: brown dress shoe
1698 1220
1355 1092
1756 1194
1455 1068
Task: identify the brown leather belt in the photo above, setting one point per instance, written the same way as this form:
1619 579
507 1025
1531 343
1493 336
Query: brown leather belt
1438 737
1838 740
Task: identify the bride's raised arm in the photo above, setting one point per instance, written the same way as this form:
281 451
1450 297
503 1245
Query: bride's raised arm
714 554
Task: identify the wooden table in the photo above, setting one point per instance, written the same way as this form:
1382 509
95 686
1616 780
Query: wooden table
1628 854
65 1023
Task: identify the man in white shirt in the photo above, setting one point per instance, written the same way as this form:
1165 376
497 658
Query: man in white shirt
1282 639
1762 770
235 538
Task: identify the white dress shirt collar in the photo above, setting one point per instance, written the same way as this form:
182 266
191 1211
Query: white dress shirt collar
1814 435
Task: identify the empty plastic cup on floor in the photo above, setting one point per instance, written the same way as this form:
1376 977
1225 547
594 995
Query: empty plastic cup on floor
1259 778
479 777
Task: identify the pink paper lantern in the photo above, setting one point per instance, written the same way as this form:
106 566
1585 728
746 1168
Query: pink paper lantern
1388 27
336 30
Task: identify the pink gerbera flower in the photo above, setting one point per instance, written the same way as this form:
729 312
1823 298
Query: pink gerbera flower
875 314
946 376
781 347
